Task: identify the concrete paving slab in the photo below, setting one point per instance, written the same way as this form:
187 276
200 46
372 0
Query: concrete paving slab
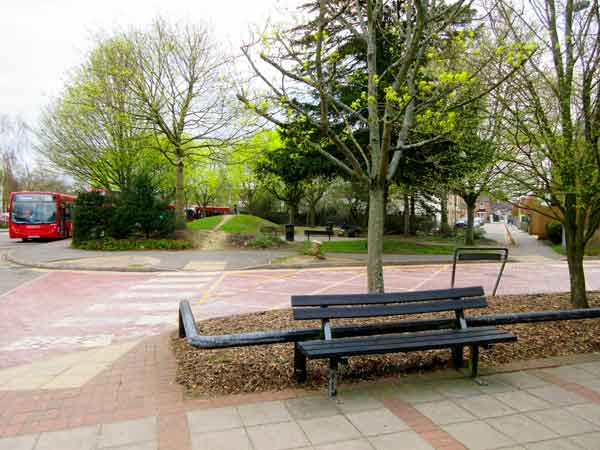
376 421
478 435
562 422
353 401
328 429
520 380
521 428
219 419
557 395
588 441
587 411
418 393
357 444
18 443
311 407
127 433
407 440
554 444
277 436
484 406
82 438
457 388
522 401
233 439
262 413
444 412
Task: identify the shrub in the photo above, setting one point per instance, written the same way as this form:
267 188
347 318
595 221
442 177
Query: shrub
110 244
91 216
140 210
265 241
478 232
554 232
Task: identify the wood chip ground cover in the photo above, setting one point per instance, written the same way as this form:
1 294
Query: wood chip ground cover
270 367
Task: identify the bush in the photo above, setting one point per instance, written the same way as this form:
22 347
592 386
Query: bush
478 232
91 216
554 232
137 210
110 244
265 241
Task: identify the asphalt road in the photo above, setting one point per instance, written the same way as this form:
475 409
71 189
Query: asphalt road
12 276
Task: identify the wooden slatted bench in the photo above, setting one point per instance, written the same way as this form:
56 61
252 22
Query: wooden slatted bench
329 307
327 232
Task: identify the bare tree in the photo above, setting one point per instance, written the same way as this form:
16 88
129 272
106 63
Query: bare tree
181 96
14 143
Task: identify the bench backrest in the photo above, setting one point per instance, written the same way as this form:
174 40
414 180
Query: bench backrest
326 307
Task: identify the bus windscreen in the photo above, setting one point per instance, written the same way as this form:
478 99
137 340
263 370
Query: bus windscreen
34 208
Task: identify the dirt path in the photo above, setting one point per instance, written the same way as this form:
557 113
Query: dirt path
216 240
226 218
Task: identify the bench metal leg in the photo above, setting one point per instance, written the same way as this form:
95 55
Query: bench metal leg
457 357
474 360
333 365
299 364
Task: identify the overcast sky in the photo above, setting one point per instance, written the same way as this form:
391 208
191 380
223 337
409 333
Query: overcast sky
42 40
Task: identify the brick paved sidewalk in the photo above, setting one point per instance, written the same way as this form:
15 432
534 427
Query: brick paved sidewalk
133 404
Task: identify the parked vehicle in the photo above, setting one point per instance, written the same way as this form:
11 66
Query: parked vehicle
35 215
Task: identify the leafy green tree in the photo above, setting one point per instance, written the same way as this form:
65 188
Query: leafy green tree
397 89
91 131
550 116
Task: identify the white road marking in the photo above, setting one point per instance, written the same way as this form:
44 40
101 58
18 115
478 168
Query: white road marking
158 306
156 320
184 275
144 287
86 321
37 342
147 295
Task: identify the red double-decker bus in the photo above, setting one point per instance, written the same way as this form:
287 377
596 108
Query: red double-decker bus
38 215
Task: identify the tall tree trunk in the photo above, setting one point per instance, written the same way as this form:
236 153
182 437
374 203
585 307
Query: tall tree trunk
413 217
575 253
179 194
444 226
469 238
375 238
292 212
312 215
406 230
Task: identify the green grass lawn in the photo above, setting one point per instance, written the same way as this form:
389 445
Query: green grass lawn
389 246
208 223
246 224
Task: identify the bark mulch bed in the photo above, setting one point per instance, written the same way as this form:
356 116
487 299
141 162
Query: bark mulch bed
270 367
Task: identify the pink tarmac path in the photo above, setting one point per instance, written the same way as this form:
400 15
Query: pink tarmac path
62 311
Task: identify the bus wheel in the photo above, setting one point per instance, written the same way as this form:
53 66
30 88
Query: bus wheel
24 240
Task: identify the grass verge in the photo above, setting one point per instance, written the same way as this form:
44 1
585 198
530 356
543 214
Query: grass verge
208 223
245 224
393 246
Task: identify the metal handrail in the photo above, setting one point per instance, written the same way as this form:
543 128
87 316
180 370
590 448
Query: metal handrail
480 254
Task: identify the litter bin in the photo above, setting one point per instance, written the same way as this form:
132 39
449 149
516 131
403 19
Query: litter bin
289 232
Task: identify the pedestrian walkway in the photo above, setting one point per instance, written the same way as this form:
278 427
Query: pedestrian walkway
133 404
527 248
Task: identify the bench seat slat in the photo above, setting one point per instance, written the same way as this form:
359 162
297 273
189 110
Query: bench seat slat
388 310
421 336
363 346
480 257
387 298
